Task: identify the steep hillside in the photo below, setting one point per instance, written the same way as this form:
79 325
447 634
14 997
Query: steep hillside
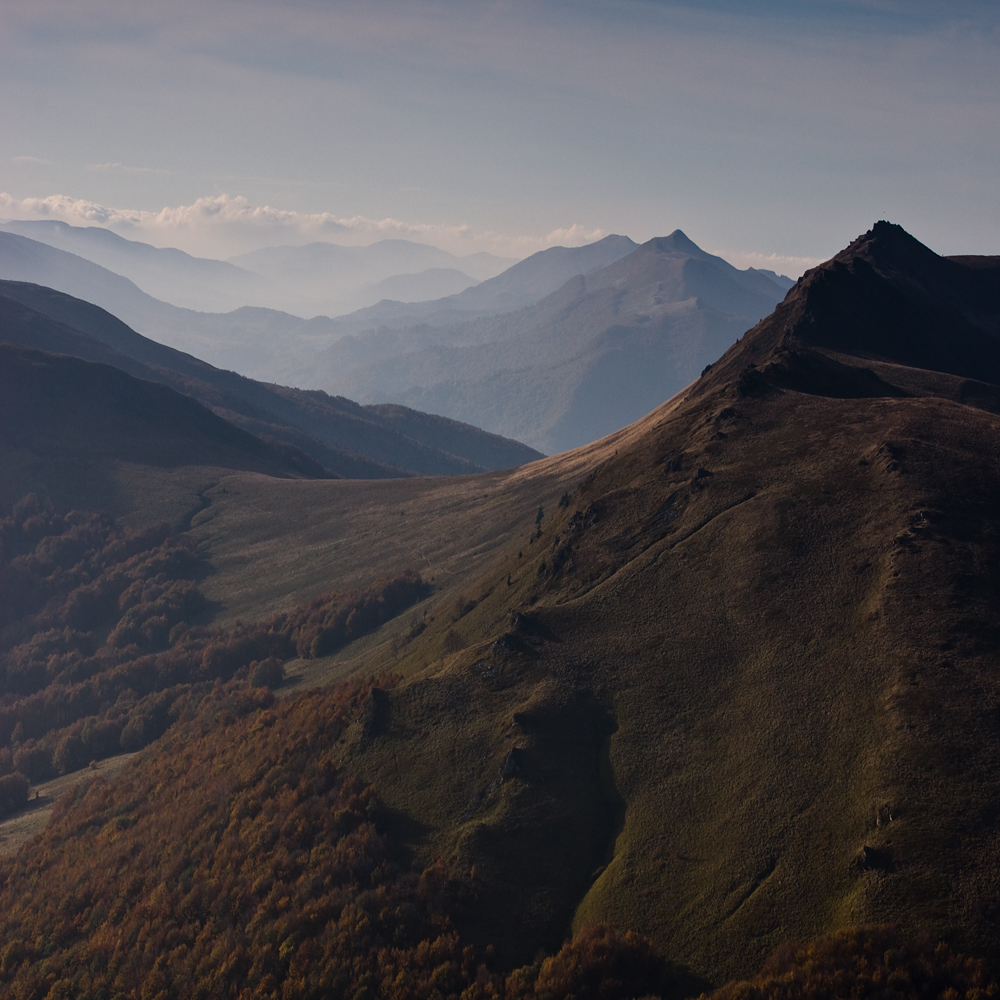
737 685
742 687
584 361
349 439
66 422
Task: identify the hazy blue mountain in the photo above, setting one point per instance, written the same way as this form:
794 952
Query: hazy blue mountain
327 279
319 278
782 279
248 340
432 283
531 279
274 345
168 274
351 440
591 357
522 284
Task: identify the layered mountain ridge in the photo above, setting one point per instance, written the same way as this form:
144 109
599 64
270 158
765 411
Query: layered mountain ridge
590 357
255 340
728 677
315 278
337 433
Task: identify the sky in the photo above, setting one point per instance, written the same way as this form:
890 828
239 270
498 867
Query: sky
772 132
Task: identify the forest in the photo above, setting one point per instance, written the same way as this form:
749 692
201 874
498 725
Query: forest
238 859
101 637
237 856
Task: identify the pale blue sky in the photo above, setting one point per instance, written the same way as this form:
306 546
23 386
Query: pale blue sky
764 128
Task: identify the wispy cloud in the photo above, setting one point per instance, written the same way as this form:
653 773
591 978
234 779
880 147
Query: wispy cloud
794 267
36 161
122 168
225 225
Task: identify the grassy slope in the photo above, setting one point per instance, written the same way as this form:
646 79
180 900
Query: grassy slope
744 680
343 533
731 684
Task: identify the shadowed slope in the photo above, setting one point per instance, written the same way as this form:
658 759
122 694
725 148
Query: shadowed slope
743 687
351 440
882 306
54 404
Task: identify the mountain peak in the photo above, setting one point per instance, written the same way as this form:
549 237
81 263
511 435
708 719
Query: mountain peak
676 242
681 240
889 246
885 300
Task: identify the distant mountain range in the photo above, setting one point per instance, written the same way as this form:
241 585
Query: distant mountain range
164 273
337 434
267 343
327 279
559 349
588 358
319 278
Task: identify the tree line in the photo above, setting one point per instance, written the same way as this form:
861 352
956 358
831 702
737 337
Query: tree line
98 645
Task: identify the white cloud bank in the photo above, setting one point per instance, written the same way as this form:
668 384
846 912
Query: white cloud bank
223 226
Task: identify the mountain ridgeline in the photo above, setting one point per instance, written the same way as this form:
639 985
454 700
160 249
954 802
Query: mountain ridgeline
336 434
591 356
153 292
724 680
316 278
561 348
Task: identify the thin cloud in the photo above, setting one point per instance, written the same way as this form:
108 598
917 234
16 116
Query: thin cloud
794 267
122 168
225 225
34 161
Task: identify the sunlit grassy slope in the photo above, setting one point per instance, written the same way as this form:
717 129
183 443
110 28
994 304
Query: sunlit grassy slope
274 543
742 688
743 685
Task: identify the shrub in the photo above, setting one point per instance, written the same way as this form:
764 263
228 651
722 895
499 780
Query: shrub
13 792
602 964
70 755
267 673
34 760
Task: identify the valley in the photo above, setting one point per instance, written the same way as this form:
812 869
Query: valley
720 680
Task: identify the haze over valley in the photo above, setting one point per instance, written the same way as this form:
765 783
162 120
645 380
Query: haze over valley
557 350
